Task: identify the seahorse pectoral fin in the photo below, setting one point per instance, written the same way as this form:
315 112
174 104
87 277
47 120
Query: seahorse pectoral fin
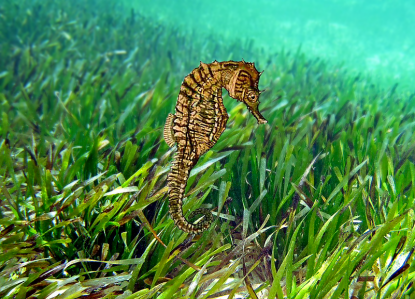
168 133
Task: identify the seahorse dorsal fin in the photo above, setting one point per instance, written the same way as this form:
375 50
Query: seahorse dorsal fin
168 131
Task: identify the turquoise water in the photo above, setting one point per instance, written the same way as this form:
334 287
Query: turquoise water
376 38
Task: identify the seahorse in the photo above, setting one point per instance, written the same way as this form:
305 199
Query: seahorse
199 121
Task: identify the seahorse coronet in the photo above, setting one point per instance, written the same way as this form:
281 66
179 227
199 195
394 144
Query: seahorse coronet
198 123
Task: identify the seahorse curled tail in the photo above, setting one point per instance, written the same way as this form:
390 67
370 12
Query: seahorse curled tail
177 180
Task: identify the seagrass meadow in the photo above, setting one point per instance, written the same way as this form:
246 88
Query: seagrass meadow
318 203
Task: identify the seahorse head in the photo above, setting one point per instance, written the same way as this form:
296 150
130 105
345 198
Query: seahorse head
241 80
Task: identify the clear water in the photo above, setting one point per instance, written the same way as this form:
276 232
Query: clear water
374 37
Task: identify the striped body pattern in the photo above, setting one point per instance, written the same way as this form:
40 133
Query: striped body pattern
198 122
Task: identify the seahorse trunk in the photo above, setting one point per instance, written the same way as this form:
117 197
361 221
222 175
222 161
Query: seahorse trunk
176 181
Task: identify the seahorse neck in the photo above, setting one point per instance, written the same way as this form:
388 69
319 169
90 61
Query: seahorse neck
226 79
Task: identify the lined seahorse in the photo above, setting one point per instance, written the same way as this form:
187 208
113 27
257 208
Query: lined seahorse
199 121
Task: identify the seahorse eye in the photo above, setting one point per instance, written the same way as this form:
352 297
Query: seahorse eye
252 96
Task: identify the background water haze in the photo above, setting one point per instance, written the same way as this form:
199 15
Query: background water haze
372 37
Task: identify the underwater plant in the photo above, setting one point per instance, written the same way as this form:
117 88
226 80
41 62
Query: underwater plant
319 203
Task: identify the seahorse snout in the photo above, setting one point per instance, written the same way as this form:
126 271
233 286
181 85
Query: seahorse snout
255 112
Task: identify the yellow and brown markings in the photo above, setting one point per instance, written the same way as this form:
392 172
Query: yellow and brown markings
199 121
